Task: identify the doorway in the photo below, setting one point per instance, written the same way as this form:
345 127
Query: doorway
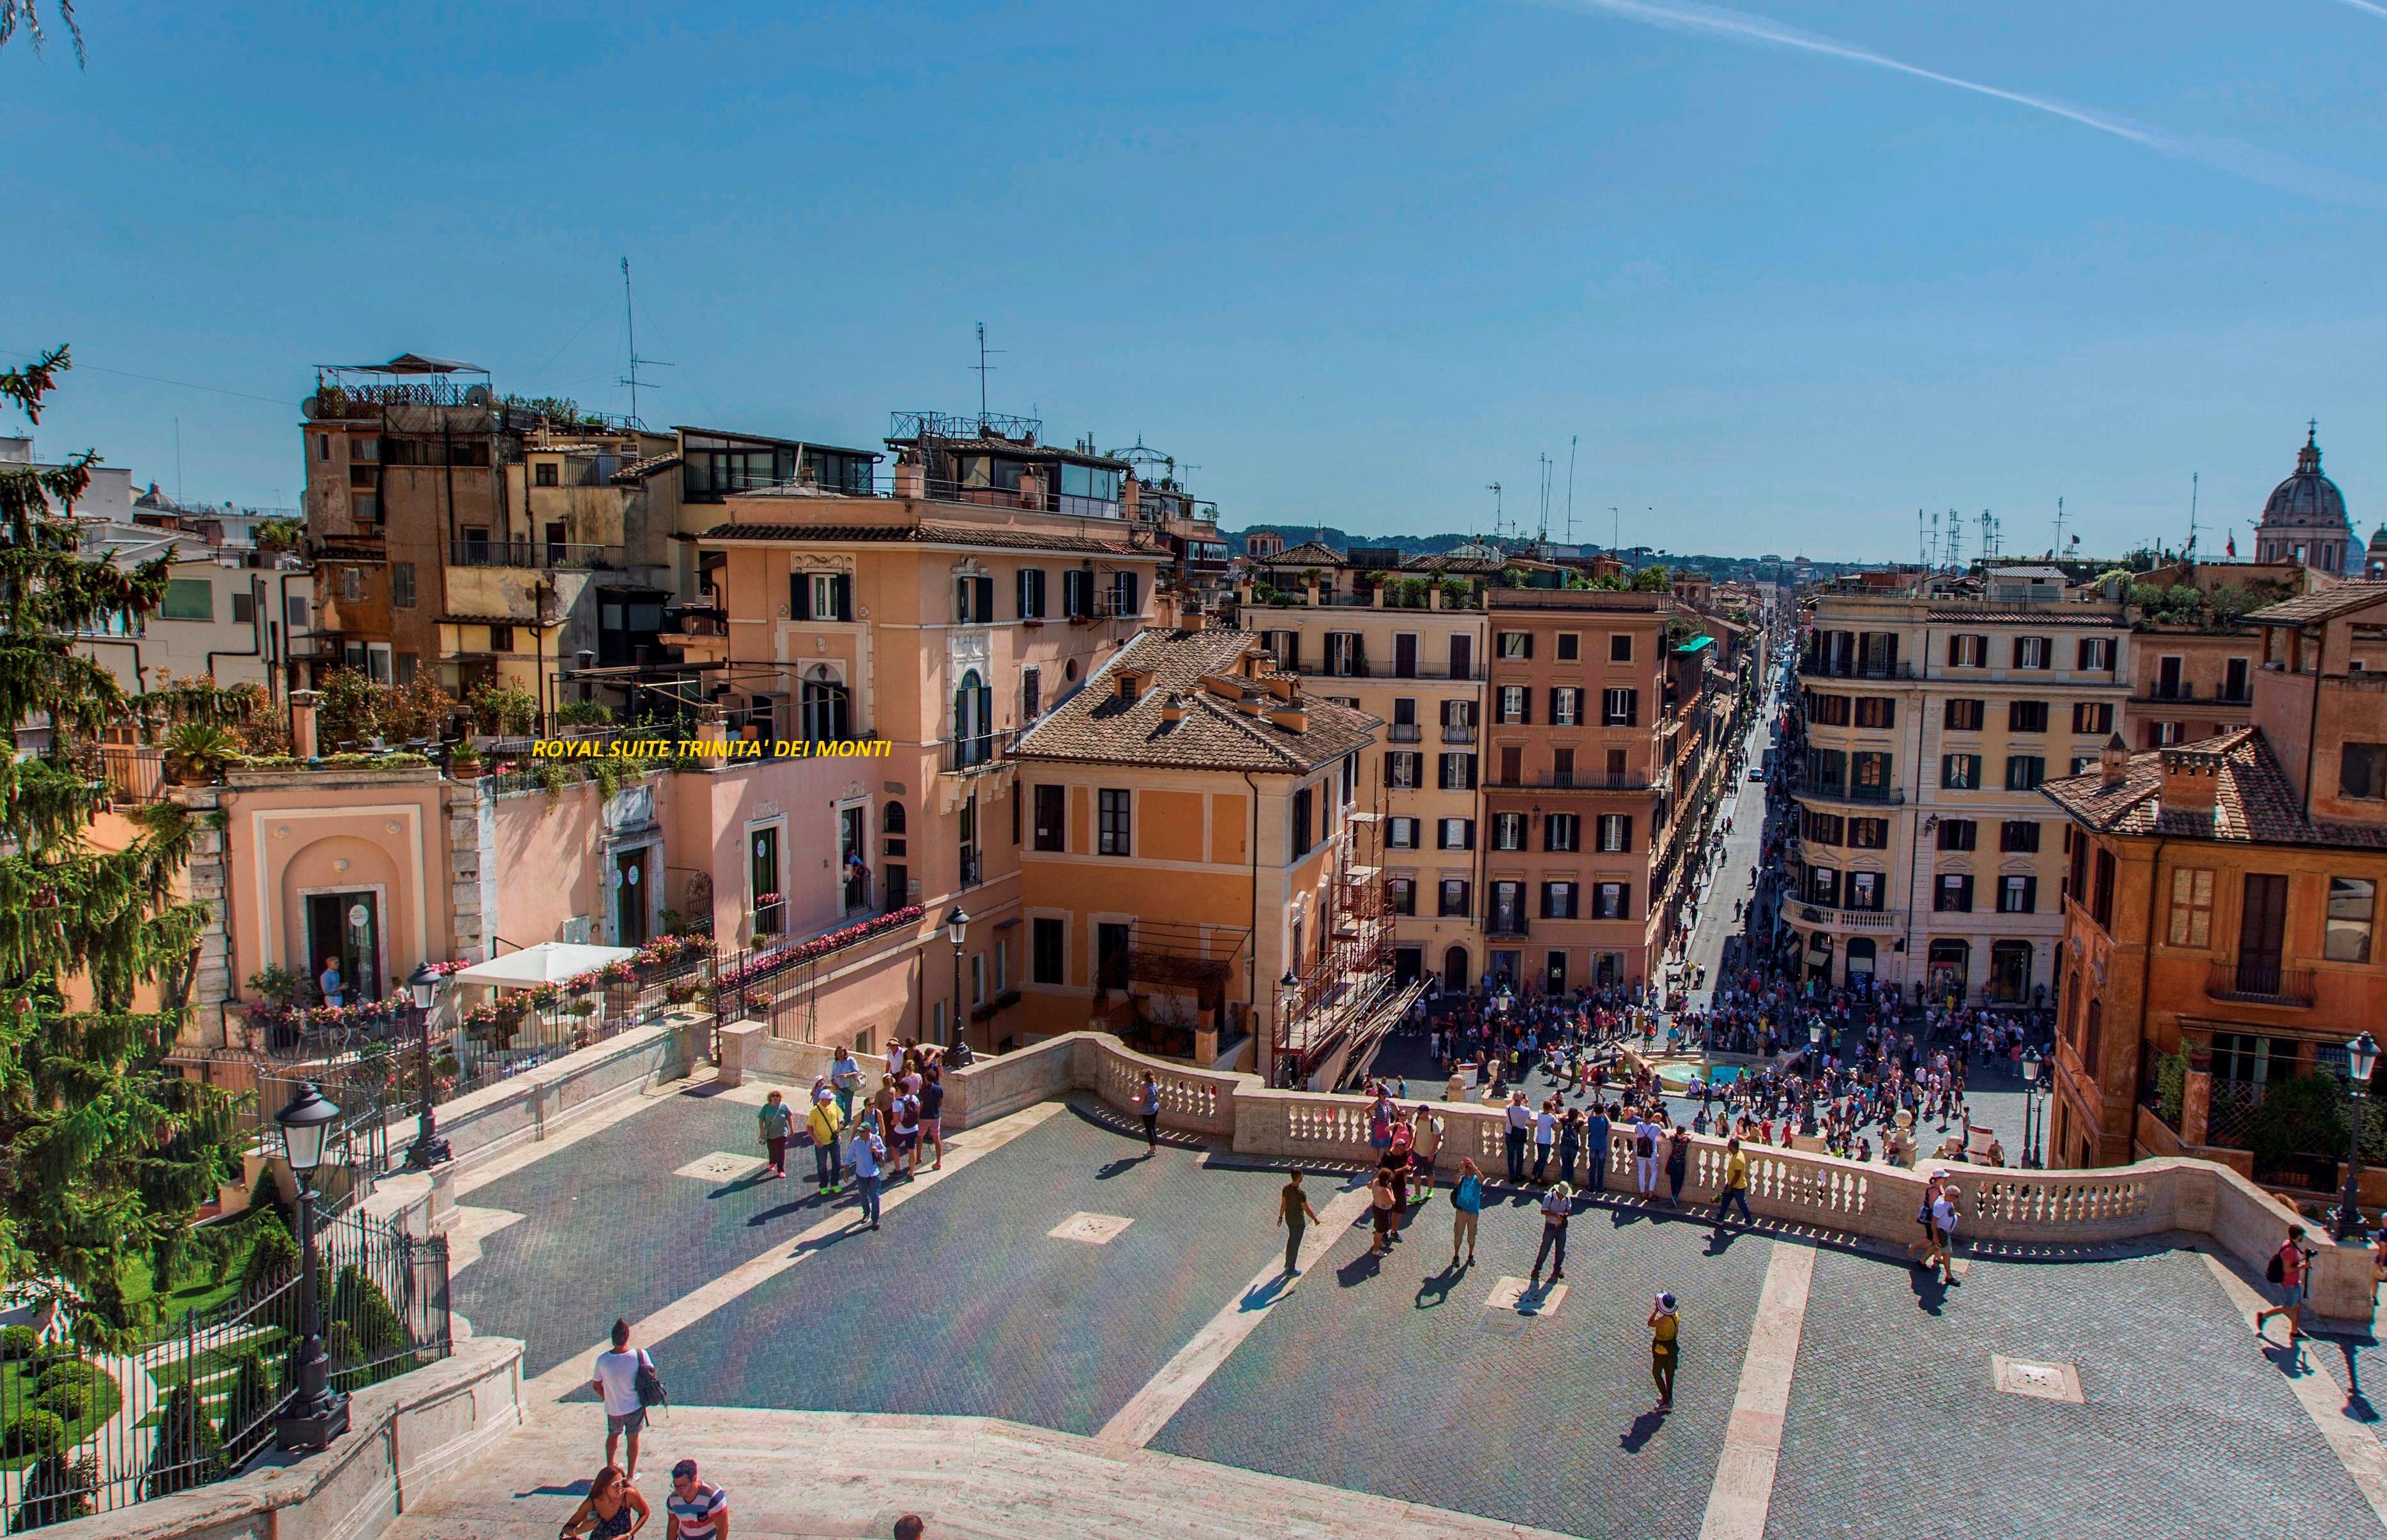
630 897
1950 968
2009 972
346 929
1454 968
1408 965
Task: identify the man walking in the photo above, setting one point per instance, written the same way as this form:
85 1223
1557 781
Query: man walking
617 1384
1645 1153
825 1123
870 1153
1293 1212
698 1510
846 1076
1558 1207
1735 1184
1520 1122
2286 1272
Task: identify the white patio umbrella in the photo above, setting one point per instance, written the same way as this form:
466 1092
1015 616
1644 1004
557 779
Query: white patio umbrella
548 962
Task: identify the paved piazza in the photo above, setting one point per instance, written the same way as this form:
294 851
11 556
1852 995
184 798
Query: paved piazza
1061 1334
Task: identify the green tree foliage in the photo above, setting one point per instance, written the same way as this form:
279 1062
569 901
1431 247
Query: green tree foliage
102 1147
184 1454
364 1331
57 1489
2300 1116
1653 580
25 16
271 1253
256 1390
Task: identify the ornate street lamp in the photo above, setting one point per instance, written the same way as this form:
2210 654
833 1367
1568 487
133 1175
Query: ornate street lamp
1814 1076
428 1149
956 927
2029 1083
2361 1058
316 1413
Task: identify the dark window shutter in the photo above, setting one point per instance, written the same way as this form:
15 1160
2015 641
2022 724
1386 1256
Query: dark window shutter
800 594
985 598
1027 610
1471 785
844 597
1628 830
1632 708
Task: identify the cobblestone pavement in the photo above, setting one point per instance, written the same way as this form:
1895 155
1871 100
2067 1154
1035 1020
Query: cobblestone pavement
964 1305
1390 1376
1394 1378
608 1231
2186 1428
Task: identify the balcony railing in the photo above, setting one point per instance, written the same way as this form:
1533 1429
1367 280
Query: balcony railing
2258 981
1835 791
1848 919
1572 780
978 754
1458 732
532 554
1819 668
1505 924
1404 732
2179 690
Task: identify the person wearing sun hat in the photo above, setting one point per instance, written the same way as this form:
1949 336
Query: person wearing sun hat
1665 1349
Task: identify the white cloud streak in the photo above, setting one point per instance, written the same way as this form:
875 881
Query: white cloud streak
2234 157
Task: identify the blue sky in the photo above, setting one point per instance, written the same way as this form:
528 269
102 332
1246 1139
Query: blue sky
1355 260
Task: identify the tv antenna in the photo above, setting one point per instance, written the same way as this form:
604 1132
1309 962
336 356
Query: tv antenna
983 368
1955 539
2059 529
2191 512
1569 506
1494 487
630 321
1549 469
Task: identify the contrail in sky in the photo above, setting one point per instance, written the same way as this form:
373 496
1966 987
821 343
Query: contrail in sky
2235 156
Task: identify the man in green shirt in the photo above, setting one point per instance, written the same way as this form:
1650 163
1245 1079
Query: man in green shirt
1293 1212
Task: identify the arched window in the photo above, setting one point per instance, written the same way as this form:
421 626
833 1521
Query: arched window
891 820
972 721
825 707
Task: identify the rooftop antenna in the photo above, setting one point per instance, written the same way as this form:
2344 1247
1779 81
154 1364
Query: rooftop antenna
2059 529
1548 469
1615 530
1494 487
178 458
1922 542
1955 539
630 321
2191 512
1569 506
983 368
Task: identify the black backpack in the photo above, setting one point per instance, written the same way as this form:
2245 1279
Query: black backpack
2278 1270
650 1385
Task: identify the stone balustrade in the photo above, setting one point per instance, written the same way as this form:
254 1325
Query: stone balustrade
2007 1207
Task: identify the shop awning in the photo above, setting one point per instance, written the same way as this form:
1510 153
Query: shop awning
548 962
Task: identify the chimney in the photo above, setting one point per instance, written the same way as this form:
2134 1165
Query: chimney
2191 779
2114 762
302 722
1292 719
1172 710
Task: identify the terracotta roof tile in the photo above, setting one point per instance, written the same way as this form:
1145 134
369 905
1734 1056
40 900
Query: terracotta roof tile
1093 723
2253 802
2310 609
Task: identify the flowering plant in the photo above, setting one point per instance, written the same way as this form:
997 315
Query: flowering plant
818 945
765 901
619 973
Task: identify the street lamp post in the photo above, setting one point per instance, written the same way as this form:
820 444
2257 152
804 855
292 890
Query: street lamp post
1288 988
2030 1157
428 1149
1814 1076
2361 1058
956 927
316 1414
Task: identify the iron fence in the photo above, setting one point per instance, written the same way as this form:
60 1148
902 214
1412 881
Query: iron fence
189 1401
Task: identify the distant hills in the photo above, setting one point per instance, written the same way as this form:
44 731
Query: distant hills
1434 544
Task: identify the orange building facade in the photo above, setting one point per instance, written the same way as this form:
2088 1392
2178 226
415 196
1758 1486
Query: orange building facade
2222 900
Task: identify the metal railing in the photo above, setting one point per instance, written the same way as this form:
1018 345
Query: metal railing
191 1399
1835 791
533 553
978 754
2259 981
1404 732
136 772
1458 732
1570 780
1819 668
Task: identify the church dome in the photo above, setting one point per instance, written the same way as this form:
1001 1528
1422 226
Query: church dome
2308 499
2378 539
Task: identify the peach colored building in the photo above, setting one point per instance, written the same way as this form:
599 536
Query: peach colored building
2222 898
944 619
1190 878
1578 807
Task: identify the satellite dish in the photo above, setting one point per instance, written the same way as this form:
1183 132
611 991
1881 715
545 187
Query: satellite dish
477 396
310 408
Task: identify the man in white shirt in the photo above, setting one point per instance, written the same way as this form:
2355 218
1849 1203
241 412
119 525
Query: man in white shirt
1546 1133
617 1383
1520 1122
1646 1135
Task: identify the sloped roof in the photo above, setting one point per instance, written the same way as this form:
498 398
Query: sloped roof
1095 724
1309 553
640 470
2252 804
2313 608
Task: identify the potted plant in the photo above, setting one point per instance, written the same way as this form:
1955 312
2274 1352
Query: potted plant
198 753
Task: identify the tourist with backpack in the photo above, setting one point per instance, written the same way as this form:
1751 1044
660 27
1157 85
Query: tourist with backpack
627 1382
1466 1207
2286 1273
825 1123
775 1121
1147 1107
869 1161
